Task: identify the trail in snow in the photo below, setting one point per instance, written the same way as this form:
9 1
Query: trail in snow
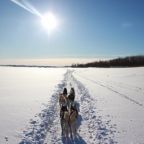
92 128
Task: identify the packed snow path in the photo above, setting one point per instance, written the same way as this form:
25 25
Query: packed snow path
92 129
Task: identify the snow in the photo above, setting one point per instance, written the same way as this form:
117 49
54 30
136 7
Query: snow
119 96
110 103
23 93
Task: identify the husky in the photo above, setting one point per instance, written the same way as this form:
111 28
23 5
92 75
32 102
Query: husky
64 119
63 97
66 127
68 121
73 115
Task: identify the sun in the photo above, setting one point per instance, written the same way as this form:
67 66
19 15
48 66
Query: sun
49 21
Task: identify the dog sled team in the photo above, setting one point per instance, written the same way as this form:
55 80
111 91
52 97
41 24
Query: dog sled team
68 113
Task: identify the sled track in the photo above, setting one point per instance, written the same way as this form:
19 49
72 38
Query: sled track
111 89
91 127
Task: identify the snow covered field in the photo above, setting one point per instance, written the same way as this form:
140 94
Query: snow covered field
110 102
24 92
119 98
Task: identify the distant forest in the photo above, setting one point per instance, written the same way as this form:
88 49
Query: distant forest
129 61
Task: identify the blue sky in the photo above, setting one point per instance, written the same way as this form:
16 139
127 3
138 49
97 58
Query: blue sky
89 28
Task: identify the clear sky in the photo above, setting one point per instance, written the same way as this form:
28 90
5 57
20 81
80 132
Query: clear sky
88 29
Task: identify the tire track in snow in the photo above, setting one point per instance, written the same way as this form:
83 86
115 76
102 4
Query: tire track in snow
109 88
127 86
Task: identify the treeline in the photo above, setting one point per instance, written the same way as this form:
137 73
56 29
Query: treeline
130 61
31 66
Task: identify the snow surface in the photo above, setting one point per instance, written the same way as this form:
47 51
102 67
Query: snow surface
24 92
110 103
119 96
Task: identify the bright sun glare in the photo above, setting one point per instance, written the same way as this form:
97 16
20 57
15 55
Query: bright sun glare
49 21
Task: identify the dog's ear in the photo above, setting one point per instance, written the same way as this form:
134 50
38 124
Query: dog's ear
65 91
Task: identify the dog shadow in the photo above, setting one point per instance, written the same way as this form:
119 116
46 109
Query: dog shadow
79 121
78 106
77 140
